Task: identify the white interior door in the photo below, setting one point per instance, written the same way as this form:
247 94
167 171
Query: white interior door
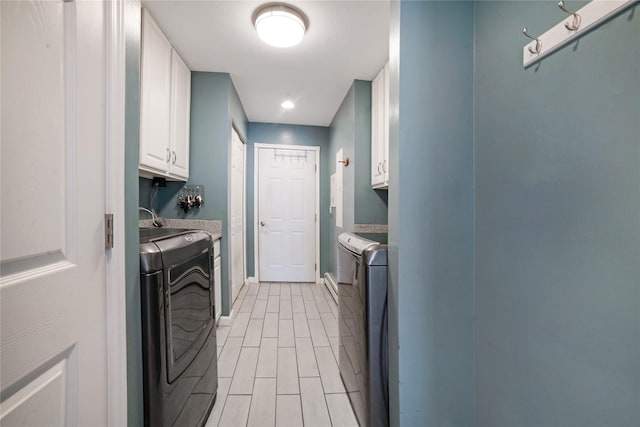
237 215
52 281
286 215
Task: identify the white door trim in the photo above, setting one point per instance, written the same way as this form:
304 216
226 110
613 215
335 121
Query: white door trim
256 254
114 203
244 206
234 128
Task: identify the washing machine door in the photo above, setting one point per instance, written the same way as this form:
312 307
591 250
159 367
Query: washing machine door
188 299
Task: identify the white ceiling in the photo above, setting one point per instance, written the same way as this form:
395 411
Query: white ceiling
346 40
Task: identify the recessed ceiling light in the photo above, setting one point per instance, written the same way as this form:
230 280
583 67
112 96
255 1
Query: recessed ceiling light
280 25
287 105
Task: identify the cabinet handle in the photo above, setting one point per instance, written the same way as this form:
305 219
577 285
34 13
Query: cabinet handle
384 166
379 167
174 158
168 155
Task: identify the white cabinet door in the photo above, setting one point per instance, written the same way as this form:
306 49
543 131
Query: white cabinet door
376 120
180 111
217 287
379 116
155 97
52 256
385 128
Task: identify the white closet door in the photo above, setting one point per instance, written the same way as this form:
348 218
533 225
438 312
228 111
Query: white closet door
286 215
53 278
237 215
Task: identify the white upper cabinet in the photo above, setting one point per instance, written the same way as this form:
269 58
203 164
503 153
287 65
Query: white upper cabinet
380 129
165 106
180 111
155 97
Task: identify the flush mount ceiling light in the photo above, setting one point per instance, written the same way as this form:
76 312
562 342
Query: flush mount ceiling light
287 105
280 25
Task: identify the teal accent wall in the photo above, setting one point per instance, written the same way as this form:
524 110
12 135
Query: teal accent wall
135 414
214 107
370 206
431 214
341 135
350 130
514 213
557 221
272 133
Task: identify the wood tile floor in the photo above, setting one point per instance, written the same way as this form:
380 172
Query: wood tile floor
277 360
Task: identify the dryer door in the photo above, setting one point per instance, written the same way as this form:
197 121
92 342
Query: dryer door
189 311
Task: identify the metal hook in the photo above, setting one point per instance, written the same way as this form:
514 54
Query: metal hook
535 50
576 18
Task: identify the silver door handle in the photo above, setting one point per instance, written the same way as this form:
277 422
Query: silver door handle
262 223
174 158
168 155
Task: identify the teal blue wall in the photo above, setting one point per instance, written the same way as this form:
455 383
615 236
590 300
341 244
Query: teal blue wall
350 130
431 214
271 133
370 206
557 223
214 106
341 135
144 194
135 415
521 303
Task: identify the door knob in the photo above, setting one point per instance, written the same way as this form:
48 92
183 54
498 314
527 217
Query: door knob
262 224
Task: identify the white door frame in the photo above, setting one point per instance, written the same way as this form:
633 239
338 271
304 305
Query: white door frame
234 128
244 207
256 234
114 169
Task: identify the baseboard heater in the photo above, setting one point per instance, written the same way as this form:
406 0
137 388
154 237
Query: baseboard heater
332 285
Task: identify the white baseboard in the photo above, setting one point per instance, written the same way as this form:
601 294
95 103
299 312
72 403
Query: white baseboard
226 320
252 279
330 283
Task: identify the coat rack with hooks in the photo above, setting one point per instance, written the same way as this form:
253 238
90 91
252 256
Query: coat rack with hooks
577 23
190 197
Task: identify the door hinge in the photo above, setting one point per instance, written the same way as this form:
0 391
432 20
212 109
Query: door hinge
316 217
108 231
315 267
316 167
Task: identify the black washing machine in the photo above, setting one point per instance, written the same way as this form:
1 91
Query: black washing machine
178 327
